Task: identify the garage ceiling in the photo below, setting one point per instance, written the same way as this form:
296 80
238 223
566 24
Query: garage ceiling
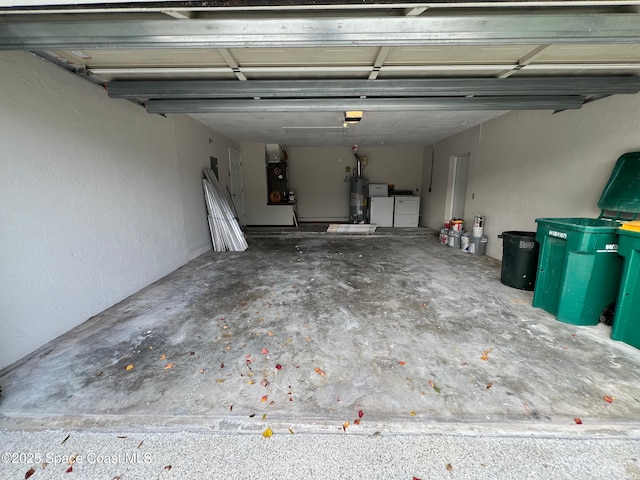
284 72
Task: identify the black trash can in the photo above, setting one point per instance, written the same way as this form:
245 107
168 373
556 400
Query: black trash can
519 259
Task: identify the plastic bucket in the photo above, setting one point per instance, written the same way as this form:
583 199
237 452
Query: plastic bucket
457 225
478 245
444 236
454 238
519 259
464 242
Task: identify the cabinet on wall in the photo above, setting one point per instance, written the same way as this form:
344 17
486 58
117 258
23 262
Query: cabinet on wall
406 211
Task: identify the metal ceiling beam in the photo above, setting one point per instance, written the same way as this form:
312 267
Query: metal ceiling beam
98 6
315 32
203 89
367 104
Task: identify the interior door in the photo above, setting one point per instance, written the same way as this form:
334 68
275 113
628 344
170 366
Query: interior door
236 188
460 177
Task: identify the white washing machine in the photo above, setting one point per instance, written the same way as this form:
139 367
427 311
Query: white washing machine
406 211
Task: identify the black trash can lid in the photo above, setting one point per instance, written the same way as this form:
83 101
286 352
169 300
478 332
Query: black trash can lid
517 233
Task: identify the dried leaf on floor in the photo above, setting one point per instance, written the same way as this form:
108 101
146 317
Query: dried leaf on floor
360 414
356 421
168 366
415 478
268 433
30 472
220 380
578 421
434 386
270 333
264 417
69 470
264 382
412 413
201 370
222 365
485 354
264 398
320 372
129 367
345 425
609 399
402 363
163 356
449 467
140 444
264 351
167 467
291 431
489 385
278 366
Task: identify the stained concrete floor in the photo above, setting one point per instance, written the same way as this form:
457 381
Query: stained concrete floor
407 340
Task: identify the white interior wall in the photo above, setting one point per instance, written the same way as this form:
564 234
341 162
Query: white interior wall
316 175
91 202
196 143
435 202
535 164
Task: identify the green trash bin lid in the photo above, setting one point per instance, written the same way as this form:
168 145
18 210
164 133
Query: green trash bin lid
622 192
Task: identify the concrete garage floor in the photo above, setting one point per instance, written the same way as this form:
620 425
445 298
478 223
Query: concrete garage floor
439 369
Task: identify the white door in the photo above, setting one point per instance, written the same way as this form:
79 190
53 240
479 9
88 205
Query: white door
458 176
236 184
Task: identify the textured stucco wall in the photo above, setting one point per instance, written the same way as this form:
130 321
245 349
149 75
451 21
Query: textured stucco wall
196 143
91 202
528 165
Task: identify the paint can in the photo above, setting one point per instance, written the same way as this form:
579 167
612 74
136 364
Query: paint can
454 238
478 226
465 241
478 245
444 236
457 225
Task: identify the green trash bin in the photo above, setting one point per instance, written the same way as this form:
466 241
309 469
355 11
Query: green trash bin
579 269
626 322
